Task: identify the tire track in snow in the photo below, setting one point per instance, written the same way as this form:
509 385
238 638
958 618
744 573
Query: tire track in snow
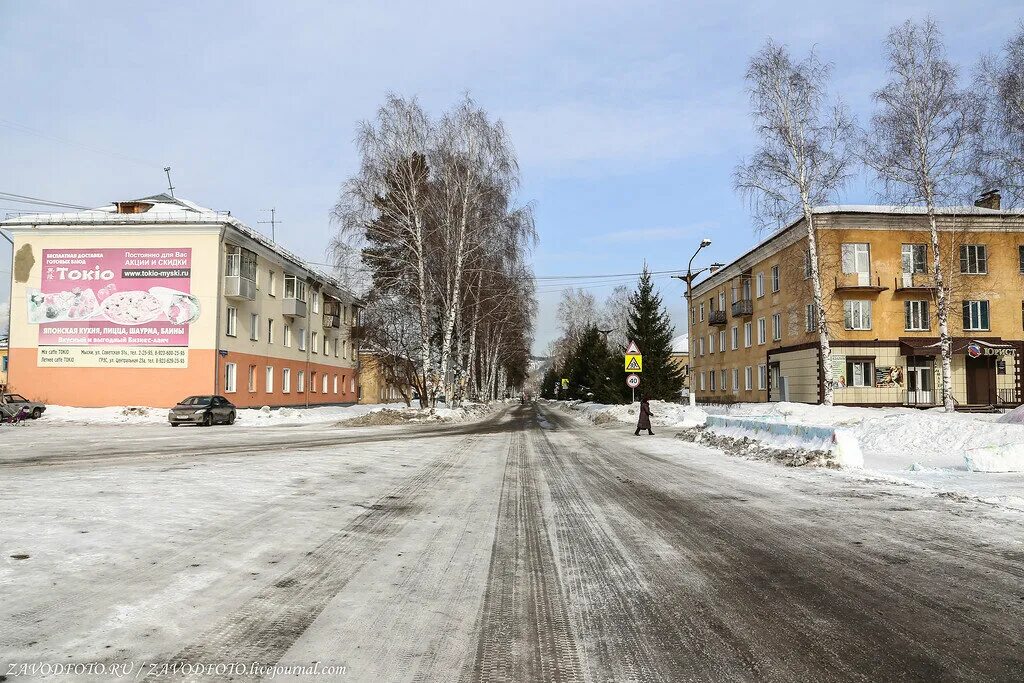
525 633
270 621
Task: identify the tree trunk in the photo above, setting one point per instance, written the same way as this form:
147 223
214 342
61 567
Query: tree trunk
825 348
942 314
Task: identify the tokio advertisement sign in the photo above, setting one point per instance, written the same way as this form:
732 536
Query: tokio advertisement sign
114 307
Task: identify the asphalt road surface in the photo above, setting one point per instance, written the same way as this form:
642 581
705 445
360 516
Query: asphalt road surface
525 547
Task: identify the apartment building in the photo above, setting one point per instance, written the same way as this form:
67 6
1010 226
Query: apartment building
144 302
754 329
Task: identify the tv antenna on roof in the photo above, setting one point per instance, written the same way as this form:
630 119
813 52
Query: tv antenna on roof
272 222
170 187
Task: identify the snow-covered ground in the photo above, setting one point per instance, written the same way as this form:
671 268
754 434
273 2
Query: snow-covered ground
962 453
254 417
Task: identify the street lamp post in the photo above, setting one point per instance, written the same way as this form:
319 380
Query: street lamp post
688 279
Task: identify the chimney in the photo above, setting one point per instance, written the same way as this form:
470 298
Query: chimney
989 199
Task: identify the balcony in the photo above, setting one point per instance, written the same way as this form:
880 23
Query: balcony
915 283
332 320
294 308
744 308
859 283
238 287
717 318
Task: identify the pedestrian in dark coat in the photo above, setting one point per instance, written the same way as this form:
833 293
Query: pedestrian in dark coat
645 417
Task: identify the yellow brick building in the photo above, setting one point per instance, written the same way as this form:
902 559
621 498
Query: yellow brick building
753 330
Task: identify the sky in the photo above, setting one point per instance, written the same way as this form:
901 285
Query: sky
627 117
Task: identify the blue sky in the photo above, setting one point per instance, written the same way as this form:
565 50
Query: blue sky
628 117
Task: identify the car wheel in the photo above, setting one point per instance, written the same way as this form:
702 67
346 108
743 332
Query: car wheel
174 424
37 413
208 419
231 420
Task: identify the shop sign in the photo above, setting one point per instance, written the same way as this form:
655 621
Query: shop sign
888 376
114 307
838 371
976 350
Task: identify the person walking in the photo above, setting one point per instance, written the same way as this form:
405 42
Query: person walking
645 417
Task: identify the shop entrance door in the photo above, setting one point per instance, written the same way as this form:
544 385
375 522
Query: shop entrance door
920 382
981 380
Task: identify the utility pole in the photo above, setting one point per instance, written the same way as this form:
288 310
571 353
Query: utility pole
272 223
170 187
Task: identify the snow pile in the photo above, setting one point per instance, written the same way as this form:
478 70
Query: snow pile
663 414
253 417
1008 457
836 447
394 416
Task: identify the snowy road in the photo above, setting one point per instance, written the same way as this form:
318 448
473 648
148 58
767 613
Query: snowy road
527 546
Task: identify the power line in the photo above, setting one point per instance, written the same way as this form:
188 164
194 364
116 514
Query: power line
28 130
25 199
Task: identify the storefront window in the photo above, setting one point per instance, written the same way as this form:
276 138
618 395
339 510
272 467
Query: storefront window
860 373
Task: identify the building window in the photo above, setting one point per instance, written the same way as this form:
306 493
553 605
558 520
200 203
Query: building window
860 373
759 286
254 327
352 384
748 378
811 316
286 381
336 345
747 335
702 311
702 376
857 315
270 330
735 380
327 346
700 346
721 340
762 333
762 377
335 384
232 328
324 381
776 281
272 283
721 301
312 341
723 380
294 288
316 302
856 258
252 378
288 336
915 315
300 382
735 337
973 259
302 339
807 264
1020 257
915 258
976 315
714 381
711 343
776 326
230 377
269 383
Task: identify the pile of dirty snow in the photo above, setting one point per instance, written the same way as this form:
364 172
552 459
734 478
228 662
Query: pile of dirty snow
250 417
663 414
394 416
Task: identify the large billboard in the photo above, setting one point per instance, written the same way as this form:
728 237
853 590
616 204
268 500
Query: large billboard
114 307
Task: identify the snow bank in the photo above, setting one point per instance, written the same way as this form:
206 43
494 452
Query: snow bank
1003 458
840 445
259 417
663 414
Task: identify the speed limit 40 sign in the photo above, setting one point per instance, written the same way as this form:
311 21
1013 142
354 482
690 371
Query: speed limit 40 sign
632 381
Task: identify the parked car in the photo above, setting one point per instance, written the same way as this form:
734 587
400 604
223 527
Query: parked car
202 410
35 408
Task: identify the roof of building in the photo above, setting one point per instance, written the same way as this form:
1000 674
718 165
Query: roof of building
681 344
723 274
169 209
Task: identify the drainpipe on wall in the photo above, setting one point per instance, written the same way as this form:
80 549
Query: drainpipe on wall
220 294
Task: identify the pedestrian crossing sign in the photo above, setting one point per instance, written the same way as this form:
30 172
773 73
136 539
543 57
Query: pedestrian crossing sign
634 363
632 349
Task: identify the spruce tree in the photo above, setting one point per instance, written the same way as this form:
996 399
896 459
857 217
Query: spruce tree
650 328
588 368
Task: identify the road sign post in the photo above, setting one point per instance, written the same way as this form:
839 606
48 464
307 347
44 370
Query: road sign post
634 362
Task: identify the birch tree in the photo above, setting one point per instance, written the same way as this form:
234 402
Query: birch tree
999 149
387 204
802 159
919 145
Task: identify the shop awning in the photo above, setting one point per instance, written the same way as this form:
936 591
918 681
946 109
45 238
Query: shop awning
929 346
